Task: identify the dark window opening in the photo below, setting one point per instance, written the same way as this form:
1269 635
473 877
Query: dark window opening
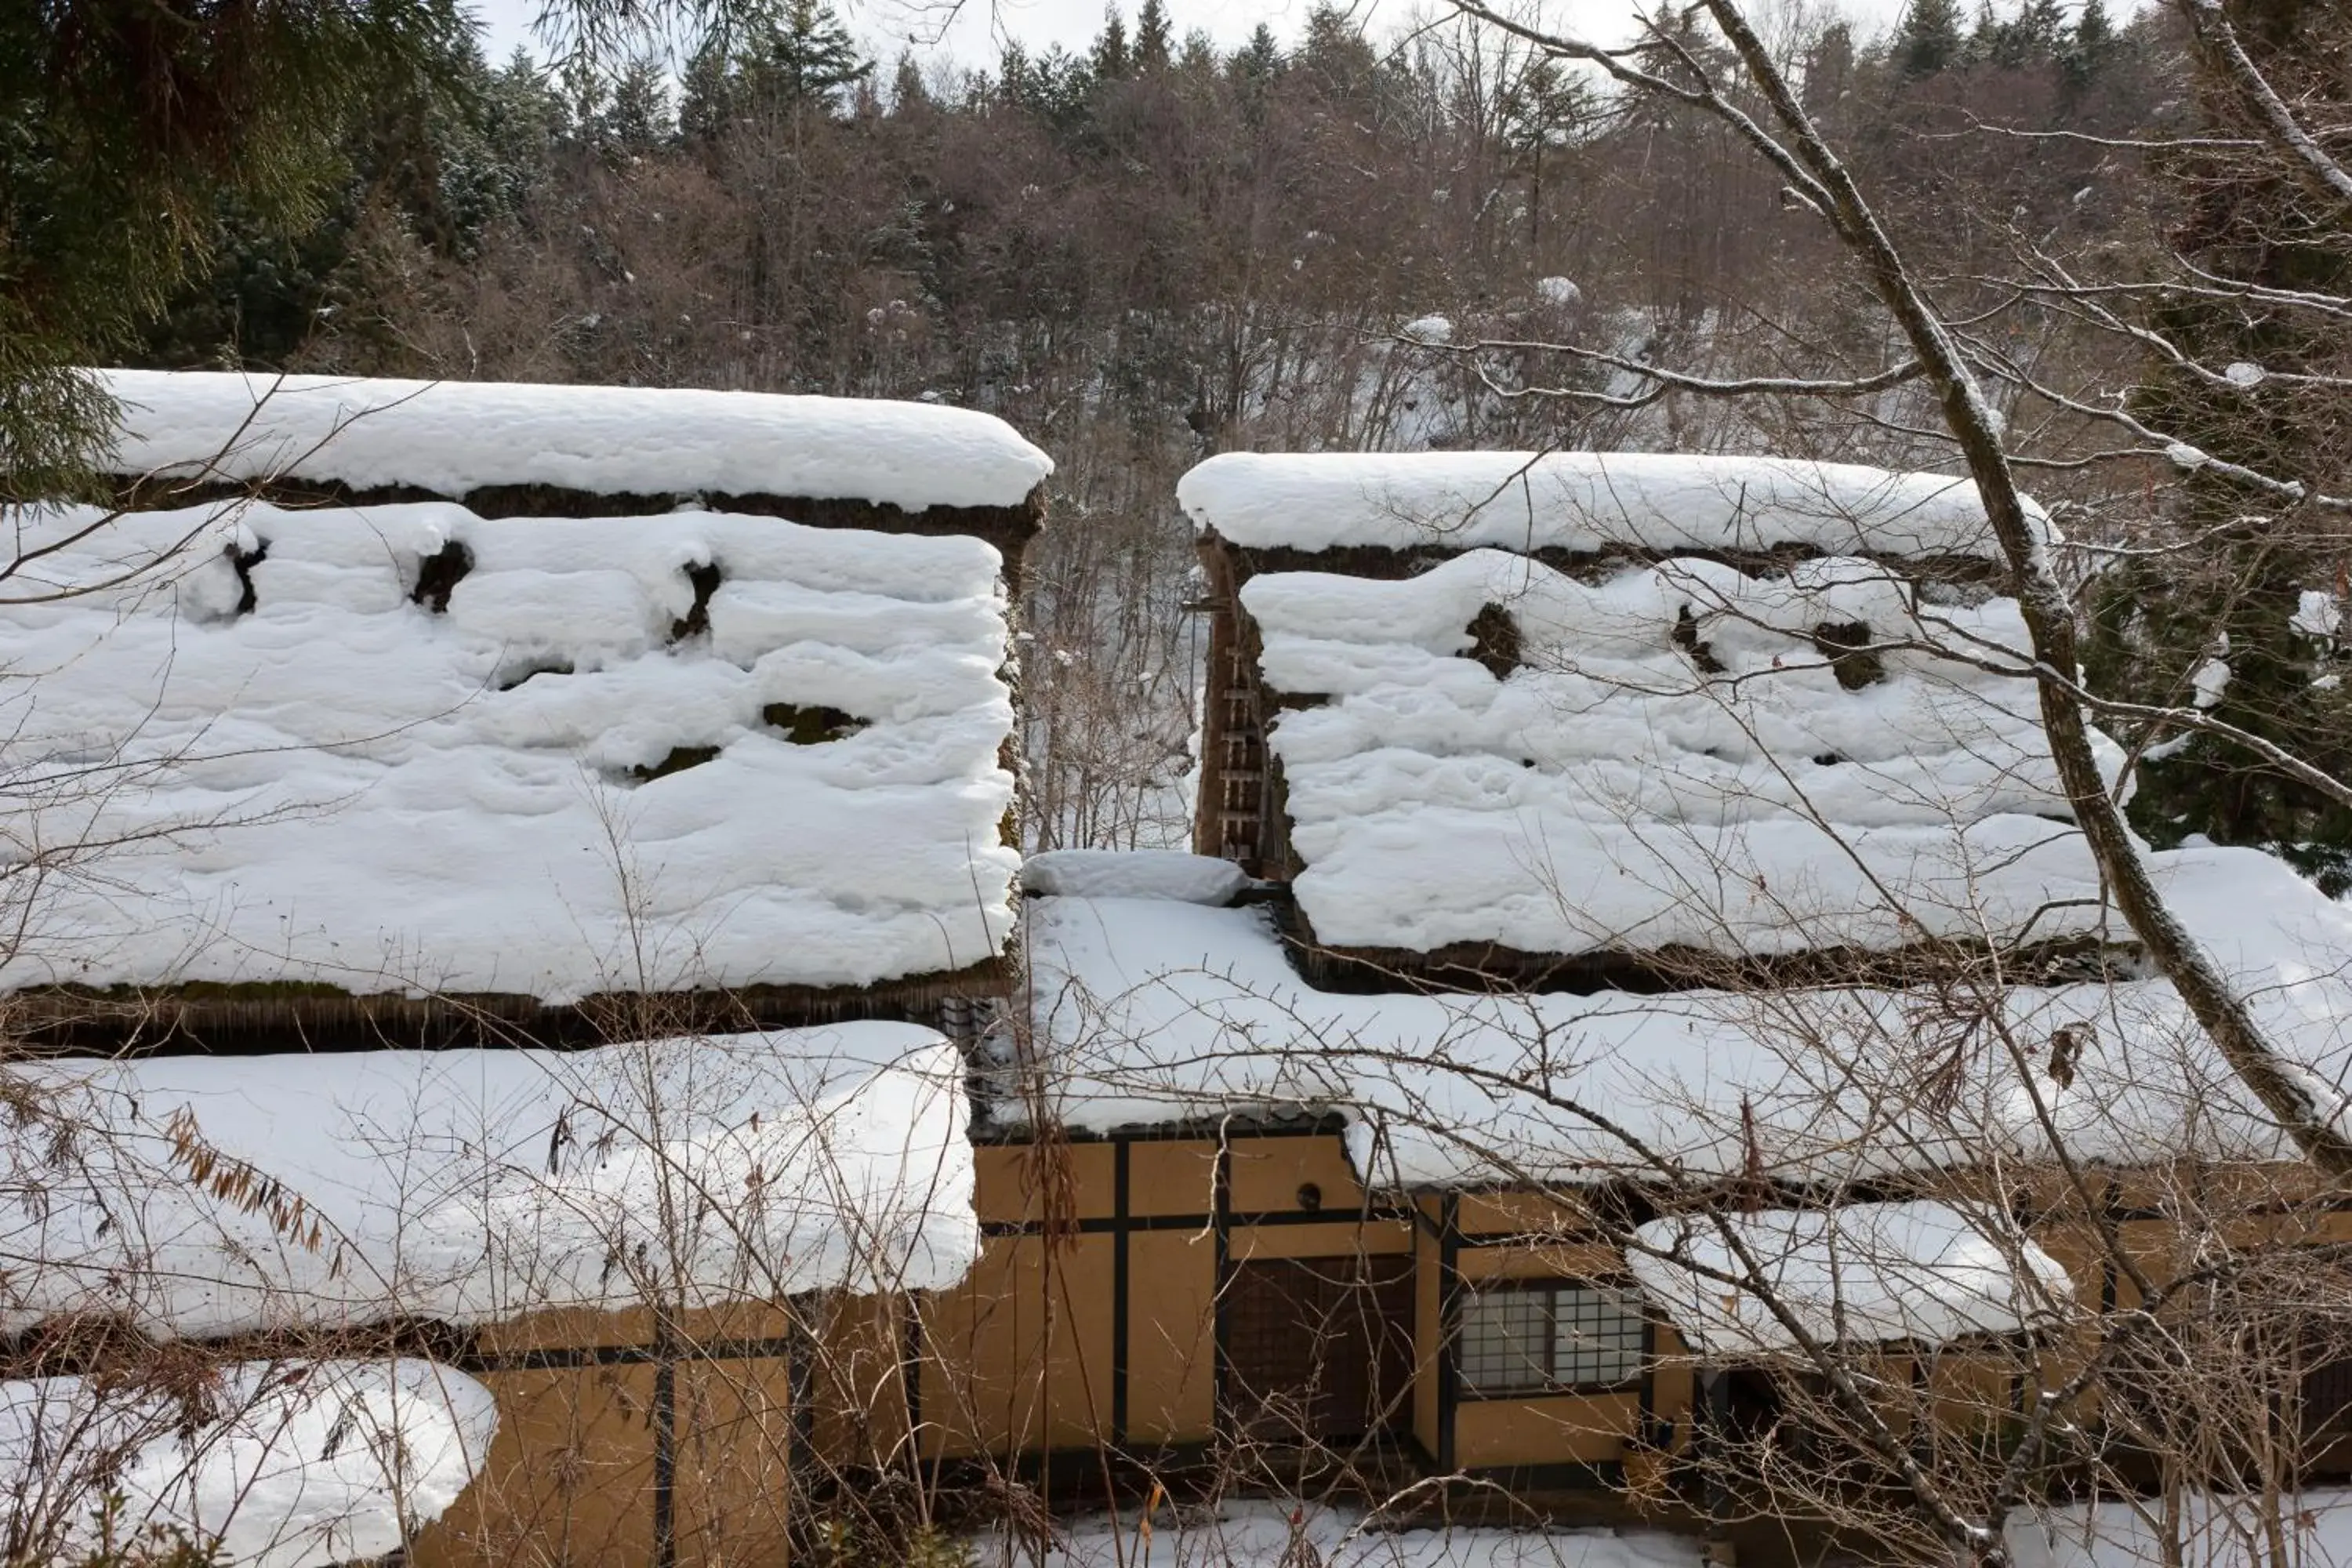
514 676
1846 645
695 622
811 726
439 575
242 562
680 758
1494 640
1685 637
1319 1348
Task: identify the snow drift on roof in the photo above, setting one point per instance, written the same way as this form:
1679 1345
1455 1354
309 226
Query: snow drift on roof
1153 1012
591 772
452 437
1856 1274
1580 502
472 1187
296 1464
1679 755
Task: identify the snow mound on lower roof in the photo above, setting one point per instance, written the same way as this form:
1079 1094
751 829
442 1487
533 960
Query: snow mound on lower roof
1582 501
340 786
1675 761
296 1464
1133 874
1921 1271
1146 1013
452 437
473 1186
1271 1534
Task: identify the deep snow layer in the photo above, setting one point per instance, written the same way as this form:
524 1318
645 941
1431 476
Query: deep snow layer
1580 501
1132 874
469 1186
340 785
295 1465
451 438
1673 761
1149 1011
1922 1271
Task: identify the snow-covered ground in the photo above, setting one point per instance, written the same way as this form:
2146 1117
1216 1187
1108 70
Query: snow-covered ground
2307 1530
287 1464
205 1195
1271 1534
451 438
303 774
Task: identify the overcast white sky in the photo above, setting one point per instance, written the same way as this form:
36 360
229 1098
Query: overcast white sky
974 31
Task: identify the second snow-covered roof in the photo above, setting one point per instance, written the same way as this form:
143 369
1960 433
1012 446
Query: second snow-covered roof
1676 756
1580 502
1151 1011
451 438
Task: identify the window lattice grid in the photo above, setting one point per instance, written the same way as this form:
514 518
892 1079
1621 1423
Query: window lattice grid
1528 1340
1599 1338
1506 1338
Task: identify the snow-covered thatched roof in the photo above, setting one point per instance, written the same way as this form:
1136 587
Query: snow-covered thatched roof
404 749
1155 1009
453 439
668 691
1578 503
202 1196
1556 736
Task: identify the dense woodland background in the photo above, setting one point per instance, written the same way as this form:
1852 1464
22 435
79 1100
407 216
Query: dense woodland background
1430 236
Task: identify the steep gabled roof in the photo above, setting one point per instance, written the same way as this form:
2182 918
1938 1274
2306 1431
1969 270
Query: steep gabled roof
394 750
1715 708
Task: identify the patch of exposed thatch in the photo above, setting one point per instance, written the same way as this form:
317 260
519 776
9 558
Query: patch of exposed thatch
265 1017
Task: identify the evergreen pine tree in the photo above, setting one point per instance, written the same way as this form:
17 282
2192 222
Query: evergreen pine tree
2158 616
2094 39
1829 70
909 92
706 100
1928 39
1257 61
1153 40
1016 78
1112 61
125 132
805 57
636 116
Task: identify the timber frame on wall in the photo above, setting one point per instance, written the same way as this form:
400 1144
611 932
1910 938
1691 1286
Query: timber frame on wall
1441 1243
